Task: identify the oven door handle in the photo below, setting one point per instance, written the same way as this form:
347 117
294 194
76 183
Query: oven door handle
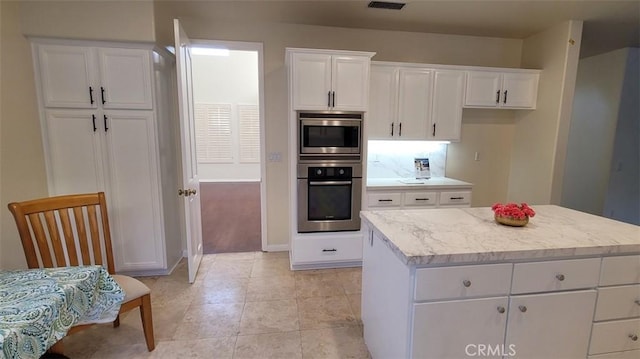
329 183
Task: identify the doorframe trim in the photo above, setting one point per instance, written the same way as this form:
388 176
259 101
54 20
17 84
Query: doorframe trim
259 48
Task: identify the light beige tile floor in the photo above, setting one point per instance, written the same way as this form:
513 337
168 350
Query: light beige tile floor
242 305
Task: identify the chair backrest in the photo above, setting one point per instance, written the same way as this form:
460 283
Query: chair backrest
75 231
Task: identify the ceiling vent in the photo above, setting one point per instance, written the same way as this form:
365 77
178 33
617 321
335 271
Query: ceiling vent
387 5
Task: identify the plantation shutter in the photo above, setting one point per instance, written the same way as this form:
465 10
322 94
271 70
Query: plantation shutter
249 134
213 133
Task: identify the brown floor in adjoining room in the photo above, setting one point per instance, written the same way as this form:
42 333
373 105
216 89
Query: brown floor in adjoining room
230 217
241 306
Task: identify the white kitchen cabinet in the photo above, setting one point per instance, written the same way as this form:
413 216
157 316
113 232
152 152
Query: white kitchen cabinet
501 89
406 199
112 144
457 310
330 80
462 326
446 114
89 77
616 326
414 103
551 325
120 158
383 105
75 151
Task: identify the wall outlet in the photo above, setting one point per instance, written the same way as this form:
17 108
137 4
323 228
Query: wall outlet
275 157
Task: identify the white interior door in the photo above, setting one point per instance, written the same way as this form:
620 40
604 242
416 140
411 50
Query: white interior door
190 181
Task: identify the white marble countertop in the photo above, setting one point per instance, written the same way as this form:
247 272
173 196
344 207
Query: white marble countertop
412 183
457 235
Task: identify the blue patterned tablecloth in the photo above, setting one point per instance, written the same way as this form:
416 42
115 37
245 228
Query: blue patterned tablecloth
38 306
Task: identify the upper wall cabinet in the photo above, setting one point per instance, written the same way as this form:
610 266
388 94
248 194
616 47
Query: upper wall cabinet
415 103
446 115
329 80
87 77
516 90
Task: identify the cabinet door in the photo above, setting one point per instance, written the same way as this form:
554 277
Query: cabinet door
414 103
554 325
311 81
133 190
74 152
382 102
350 83
460 328
519 90
483 89
125 78
446 117
66 73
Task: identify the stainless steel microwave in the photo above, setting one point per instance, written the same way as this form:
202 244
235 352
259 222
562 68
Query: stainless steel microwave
330 133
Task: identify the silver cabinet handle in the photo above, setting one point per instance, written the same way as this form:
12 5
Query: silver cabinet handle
522 308
500 309
560 277
466 283
633 337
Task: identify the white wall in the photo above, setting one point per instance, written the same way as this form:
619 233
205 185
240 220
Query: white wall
540 136
592 132
231 80
601 173
623 194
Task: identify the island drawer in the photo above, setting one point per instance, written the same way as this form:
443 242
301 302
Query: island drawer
455 198
553 276
420 199
620 270
462 281
384 199
615 336
308 250
618 302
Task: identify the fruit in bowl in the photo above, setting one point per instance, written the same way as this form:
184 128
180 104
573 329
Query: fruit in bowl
512 214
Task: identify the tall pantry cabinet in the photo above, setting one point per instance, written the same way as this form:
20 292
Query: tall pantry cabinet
103 125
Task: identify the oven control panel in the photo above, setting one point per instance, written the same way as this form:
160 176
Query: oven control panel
330 173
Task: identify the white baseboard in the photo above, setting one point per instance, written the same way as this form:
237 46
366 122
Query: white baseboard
276 248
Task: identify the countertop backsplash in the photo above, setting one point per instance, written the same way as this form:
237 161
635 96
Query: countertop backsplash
391 159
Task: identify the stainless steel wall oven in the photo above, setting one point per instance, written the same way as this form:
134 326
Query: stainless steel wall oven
329 196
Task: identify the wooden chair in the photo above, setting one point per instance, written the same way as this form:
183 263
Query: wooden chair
66 236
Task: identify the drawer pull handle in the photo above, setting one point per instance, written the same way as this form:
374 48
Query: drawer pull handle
633 337
422 199
522 308
560 277
385 200
500 309
330 250
466 283
456 197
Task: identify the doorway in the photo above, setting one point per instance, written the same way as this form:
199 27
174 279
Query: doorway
229 126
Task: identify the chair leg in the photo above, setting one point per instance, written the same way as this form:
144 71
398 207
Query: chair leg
147 321
116 323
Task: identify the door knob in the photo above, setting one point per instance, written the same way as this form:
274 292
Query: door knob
191 192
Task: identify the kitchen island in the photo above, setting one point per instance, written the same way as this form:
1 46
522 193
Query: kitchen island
452 283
